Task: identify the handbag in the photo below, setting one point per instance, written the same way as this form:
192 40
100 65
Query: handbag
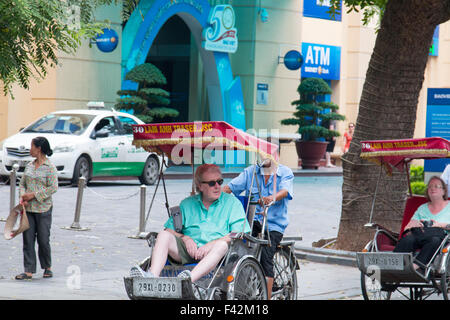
428 233
16 223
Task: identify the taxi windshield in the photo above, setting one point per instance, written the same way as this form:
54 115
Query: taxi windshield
68 123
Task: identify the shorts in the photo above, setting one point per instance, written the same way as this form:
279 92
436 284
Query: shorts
267 253
182 252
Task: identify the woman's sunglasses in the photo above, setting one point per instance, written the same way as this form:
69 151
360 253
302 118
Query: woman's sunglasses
213 183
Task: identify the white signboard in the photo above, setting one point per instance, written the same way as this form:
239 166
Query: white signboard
262 93
221 35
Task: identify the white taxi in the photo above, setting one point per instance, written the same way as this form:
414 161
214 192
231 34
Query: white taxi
88 143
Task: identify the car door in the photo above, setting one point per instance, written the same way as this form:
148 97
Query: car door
135 158
109 154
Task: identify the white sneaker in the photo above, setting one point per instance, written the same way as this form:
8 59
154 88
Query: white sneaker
199 292
186 274
137 271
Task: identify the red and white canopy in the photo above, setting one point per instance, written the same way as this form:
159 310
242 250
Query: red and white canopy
176 138
394 153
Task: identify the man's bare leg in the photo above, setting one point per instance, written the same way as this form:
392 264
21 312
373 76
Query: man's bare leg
210 261
165 245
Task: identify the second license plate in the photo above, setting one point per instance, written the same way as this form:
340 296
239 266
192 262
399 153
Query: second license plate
384 261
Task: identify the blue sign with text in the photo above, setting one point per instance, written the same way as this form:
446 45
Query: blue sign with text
437 123
319 9
321 61
107 41
293 60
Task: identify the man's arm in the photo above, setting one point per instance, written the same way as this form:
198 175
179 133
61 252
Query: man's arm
239 183
204 250
191 245
279 196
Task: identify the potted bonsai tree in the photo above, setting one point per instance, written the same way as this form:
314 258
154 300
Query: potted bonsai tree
311 117
149 101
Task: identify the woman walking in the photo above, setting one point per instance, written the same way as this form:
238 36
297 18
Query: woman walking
37 185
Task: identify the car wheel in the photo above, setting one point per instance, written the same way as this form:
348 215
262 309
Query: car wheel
82 169
150 172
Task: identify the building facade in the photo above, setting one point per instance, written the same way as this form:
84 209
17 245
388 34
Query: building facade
250 88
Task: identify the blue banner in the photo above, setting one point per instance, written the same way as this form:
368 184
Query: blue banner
434 50
319 9
437 123
321 61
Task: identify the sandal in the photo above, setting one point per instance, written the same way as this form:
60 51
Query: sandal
23 276
48 273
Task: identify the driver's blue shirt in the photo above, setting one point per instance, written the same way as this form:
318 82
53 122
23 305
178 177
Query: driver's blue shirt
277 219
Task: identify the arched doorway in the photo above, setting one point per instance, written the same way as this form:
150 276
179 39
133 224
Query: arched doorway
224 93
170 52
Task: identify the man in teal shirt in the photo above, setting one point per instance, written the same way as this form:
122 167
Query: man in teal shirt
208 219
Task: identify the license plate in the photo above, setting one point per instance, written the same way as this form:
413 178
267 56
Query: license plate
384 261
157 287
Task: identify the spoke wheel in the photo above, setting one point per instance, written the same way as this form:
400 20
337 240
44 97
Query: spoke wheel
285 276
249 282
371 289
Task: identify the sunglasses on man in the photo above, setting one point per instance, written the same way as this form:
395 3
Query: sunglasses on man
213 182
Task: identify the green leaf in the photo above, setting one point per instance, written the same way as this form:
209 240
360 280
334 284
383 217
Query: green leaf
155 91
146 74
148 101
163 112
33 31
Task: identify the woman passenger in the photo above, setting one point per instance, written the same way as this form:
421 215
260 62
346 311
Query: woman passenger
428 239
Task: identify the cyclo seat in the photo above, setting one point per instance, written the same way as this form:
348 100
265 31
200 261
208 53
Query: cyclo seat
174 267
386 239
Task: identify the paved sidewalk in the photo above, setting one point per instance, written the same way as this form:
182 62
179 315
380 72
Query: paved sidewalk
91 264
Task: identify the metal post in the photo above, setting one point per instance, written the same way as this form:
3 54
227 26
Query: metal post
76 221
142 221
142 210
375 196
12 185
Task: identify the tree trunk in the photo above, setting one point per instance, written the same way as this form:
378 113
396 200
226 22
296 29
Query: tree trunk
387 110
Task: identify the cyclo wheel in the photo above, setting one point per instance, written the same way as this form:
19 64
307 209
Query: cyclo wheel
285 276
249 282
445 280
372 289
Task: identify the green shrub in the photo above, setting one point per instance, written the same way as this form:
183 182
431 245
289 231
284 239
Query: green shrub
148 102
416 173
310 118
418 187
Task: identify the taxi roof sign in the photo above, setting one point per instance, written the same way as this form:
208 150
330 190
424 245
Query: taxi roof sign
96 105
